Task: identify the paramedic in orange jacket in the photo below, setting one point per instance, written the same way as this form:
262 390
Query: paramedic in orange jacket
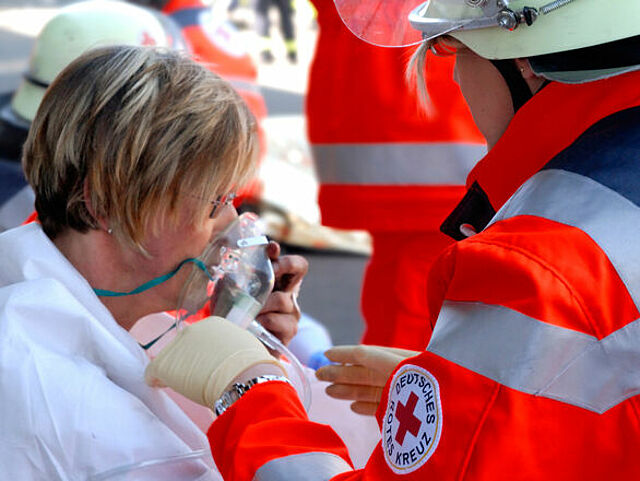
532 371
387 167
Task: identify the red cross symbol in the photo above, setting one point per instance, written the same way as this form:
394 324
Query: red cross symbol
408 422
147 40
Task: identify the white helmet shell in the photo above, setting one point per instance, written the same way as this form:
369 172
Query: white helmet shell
75 29
570 25
495 29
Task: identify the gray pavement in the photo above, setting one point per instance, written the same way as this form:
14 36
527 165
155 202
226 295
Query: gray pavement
331 290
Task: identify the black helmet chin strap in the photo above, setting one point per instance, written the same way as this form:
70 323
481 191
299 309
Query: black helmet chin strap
518 87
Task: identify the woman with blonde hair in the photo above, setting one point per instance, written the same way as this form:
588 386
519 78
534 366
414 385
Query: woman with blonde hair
133 156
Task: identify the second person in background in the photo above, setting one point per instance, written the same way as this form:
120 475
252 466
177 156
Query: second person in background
386 166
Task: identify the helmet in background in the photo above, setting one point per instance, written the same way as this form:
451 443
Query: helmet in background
75 29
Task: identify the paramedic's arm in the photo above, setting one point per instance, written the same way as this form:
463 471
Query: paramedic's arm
266 430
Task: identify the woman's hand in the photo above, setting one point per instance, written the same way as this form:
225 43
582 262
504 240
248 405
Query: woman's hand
281 313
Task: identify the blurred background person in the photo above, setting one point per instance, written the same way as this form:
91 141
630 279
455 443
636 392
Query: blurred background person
263 27
388 167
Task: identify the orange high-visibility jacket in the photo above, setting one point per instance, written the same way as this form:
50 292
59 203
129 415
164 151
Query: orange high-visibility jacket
533 368
382 163
386 166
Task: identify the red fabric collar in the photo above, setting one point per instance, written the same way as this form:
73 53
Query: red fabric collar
545 126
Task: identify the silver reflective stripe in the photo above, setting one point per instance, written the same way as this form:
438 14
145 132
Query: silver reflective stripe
611 220
396 163
243 85
303 467
538 358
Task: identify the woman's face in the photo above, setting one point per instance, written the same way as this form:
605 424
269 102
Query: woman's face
172 244
486 93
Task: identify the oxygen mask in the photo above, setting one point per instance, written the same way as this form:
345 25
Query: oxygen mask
234 276
233 280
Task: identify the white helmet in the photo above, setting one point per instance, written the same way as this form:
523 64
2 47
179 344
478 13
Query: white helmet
494 29
78 28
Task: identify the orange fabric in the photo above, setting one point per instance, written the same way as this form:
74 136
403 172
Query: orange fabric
537 267
490 433
224 64
236 69
173 5
357 94
548 271
388 208
494 433
517 155
240 448
33 217
394 293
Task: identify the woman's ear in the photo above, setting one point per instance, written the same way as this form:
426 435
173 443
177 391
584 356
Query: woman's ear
534 80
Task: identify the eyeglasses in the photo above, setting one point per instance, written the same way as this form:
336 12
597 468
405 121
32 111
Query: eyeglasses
221 201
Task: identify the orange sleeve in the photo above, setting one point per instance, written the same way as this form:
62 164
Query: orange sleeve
267 424
537 267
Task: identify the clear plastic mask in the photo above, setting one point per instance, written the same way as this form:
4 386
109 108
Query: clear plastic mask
237 277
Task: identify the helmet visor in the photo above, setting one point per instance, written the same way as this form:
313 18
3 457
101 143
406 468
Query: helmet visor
380 22
399 23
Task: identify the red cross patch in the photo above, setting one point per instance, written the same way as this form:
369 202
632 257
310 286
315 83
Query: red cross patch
413 420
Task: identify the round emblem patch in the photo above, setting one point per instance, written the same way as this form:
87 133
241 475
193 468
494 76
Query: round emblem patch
413 420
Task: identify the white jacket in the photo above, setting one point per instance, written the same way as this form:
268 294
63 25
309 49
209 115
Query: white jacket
73 401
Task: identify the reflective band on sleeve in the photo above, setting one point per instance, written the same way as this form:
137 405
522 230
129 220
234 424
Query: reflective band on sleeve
538 358
303 467
396 163
611 220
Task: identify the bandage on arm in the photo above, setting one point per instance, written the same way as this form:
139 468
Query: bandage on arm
205 358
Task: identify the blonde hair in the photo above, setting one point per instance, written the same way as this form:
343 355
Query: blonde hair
415 71
414 74
124 133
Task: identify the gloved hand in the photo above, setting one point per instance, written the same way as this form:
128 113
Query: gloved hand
362 373
205 358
